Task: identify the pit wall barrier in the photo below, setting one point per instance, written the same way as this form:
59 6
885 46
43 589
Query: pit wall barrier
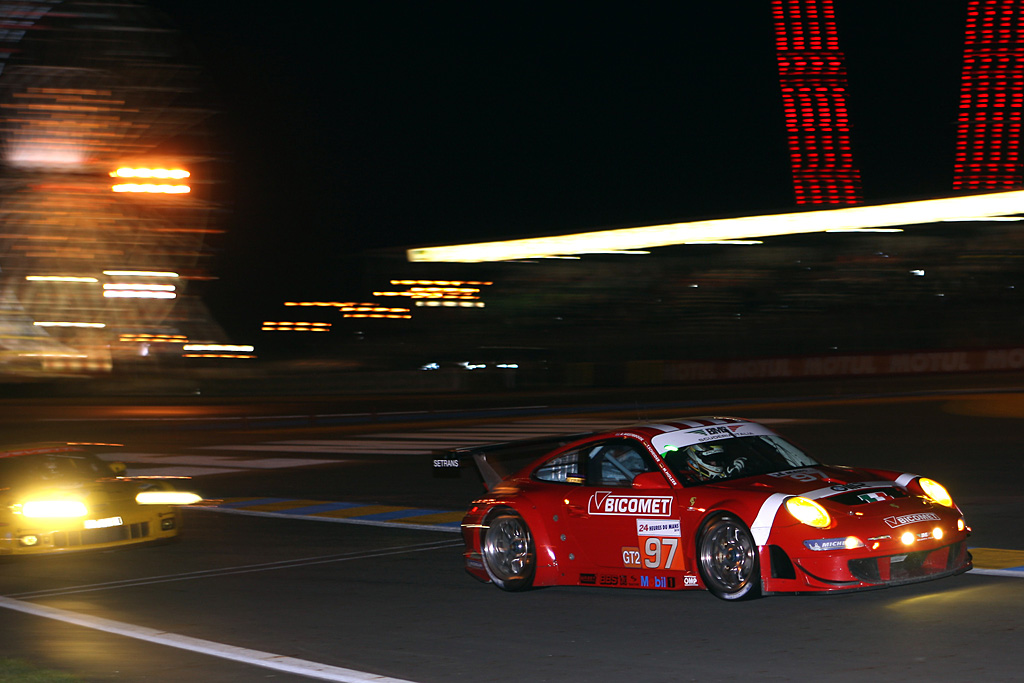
809 367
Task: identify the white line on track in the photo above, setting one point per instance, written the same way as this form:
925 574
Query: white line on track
267 660
337 520
1015 573
243 569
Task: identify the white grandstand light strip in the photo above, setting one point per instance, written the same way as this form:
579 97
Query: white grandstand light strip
969 207
137 294
59 278
66 323
174 173
627 252
740 243
866 230
136 286
240 348
993 219
141 273
151 188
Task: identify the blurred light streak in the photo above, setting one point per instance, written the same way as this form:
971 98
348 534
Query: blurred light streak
241 348
132 286
866 230
442 283
62 323
141 273
324 304
59 278
137 294
625 252
739 243
153 338
174 173
971 207
393 316
451 304
373 309
151 188
271 326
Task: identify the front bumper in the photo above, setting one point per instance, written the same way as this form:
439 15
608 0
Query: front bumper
72 536
828 572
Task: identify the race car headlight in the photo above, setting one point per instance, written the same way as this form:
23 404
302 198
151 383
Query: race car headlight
808 512
167 498
54 508
935 491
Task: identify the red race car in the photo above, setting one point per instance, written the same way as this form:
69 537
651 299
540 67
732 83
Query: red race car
715 503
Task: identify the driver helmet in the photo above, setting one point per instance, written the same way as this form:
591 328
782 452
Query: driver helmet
706 460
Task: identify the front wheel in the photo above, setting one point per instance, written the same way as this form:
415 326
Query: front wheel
509 554
728 560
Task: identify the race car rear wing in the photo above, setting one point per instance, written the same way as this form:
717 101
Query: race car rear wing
495 461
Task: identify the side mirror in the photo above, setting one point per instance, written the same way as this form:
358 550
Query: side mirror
117 467
650 480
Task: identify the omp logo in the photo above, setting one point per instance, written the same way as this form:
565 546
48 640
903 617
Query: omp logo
902 520
608 503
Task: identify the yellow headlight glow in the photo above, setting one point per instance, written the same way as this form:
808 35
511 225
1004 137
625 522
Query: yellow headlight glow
167 498
54 508
907 538
808 512
936 491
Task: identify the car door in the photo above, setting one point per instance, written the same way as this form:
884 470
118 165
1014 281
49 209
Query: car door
613 524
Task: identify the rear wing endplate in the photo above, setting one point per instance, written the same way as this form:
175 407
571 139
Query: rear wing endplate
495 461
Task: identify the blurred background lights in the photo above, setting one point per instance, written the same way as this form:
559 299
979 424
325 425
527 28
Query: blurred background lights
970 207
98 102
174 173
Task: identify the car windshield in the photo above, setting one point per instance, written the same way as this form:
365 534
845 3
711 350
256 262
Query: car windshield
733 457
57 468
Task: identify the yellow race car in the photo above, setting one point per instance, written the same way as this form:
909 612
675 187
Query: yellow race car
59 498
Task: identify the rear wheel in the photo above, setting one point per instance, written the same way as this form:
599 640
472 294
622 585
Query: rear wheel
728 561
509 554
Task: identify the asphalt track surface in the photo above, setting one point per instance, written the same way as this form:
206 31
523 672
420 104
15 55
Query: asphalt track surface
260 591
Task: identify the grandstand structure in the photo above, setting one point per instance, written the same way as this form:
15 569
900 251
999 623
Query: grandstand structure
106 207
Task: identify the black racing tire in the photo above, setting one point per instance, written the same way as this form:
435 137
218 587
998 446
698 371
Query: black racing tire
728 560
510 557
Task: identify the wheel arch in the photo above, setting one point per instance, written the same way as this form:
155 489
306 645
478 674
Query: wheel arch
725 511
546 572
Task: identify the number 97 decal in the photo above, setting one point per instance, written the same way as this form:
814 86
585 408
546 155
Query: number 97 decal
662 553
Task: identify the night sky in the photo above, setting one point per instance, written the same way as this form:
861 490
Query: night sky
351 126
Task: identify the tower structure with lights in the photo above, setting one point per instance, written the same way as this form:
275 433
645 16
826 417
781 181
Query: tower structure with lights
991 98
813 81
106 228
